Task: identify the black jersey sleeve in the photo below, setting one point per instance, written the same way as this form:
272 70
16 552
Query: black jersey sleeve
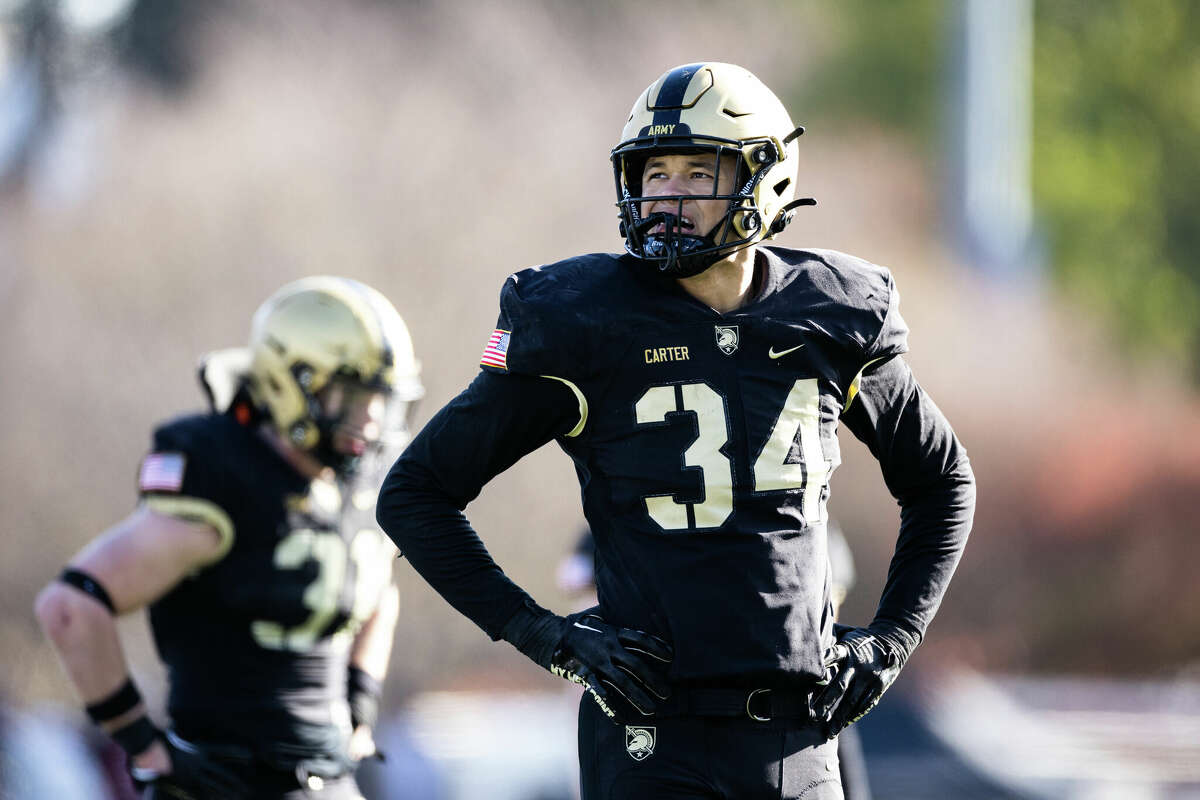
177 453
927 471
856 301
486 429
536 314
892 338
182 477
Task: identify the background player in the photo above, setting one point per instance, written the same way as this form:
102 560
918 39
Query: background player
697 382
254 546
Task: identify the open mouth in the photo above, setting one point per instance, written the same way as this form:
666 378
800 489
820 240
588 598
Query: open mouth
351 441
682 224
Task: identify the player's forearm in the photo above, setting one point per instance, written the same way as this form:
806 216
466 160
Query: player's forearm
368 666
84 636
486 429
934 526
436 538
927 470
372 648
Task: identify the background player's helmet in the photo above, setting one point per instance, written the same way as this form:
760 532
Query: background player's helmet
318 330
720 108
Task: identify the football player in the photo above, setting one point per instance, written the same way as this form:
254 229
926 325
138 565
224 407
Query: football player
254 546
697 381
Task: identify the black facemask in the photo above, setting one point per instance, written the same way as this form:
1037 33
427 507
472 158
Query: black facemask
675 253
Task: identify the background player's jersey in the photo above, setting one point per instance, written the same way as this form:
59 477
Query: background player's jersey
256 643
709 442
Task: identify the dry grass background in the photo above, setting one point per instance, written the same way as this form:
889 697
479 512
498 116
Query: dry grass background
430 150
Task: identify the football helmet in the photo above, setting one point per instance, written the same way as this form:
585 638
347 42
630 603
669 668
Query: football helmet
717 108
315 332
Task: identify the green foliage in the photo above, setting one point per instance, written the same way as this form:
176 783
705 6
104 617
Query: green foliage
885 65
1117 162
1116 151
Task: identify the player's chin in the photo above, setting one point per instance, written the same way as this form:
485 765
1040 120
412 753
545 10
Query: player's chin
349 443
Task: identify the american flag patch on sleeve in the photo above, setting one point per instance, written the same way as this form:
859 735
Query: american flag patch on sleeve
162 472
495 354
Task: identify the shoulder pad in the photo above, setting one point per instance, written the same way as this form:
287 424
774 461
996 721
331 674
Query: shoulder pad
187 454
547 314
862 298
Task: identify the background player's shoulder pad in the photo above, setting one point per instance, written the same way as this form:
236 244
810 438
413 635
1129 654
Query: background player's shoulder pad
870 301
195 434
203 441
547 313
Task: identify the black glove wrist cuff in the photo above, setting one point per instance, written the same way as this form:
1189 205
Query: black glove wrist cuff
135 737
897 640
363 692
534 631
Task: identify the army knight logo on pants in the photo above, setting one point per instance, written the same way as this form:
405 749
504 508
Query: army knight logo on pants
639 742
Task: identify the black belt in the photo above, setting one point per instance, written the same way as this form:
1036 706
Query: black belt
275 772
760 705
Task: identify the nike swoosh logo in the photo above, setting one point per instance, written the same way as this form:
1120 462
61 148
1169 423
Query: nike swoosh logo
782 353
587 627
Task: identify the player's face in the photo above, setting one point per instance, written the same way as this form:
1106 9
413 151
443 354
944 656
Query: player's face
360 413
688 174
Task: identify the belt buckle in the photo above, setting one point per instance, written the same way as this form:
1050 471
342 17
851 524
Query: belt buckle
749 700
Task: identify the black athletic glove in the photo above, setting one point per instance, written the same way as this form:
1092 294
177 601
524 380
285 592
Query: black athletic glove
603 659
859 669
600 657
193 776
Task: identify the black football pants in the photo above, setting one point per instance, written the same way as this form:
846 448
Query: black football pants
705 758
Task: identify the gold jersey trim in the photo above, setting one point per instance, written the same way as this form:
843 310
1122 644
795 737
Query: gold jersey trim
583 405
195 509
854 384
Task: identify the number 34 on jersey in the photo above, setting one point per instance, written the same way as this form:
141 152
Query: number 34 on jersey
774 469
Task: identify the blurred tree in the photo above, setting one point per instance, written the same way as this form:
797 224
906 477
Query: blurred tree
1116 121
884 67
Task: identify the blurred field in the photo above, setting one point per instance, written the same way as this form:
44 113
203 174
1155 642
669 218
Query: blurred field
432 149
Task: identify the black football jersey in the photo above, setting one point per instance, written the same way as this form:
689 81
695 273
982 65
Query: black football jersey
704 444
256 644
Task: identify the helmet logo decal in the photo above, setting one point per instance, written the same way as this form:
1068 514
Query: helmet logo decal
727 339
640 741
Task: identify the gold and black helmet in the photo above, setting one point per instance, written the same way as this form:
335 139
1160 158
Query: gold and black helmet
310 334
718 108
